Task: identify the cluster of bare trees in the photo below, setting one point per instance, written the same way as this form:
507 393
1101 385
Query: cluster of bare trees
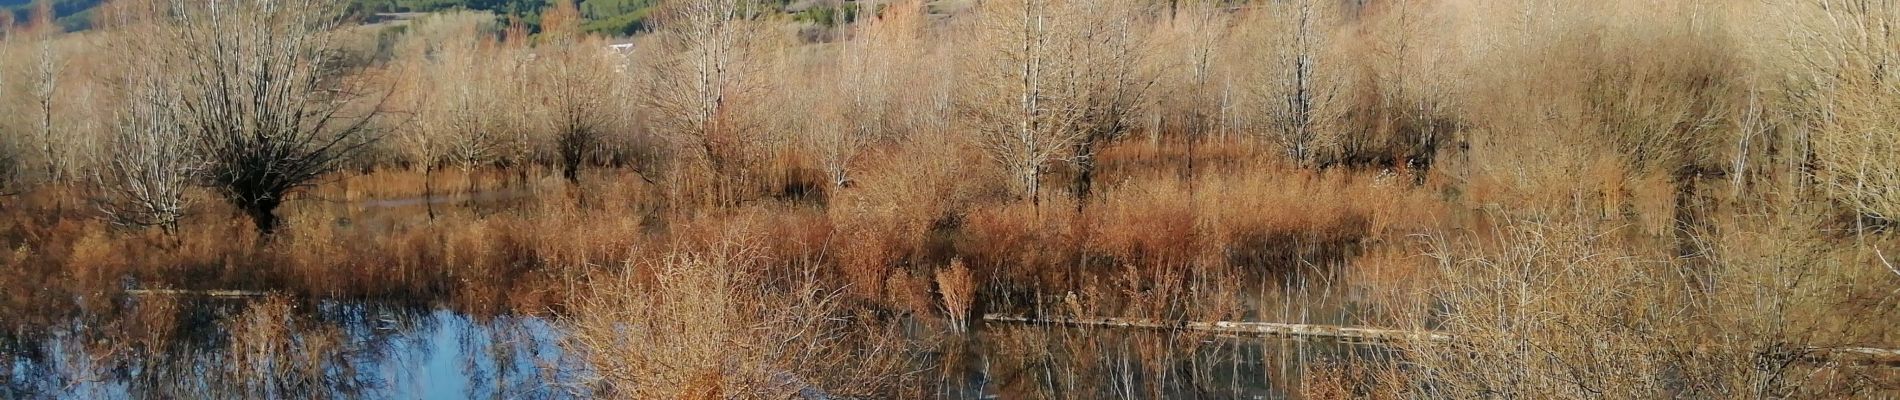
1064 77
245 98
703 87
458 120
266 105
860 98
576 88
39 153
1845 52
145 183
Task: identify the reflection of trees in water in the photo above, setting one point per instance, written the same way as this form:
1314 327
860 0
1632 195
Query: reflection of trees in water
279 348
1057 362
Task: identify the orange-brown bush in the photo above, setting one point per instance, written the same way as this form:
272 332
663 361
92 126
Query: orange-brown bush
714 323
1572 310
890 217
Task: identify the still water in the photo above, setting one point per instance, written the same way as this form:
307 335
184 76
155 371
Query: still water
332 349
365 352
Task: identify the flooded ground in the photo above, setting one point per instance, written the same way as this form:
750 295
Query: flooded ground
335 350
241 348
182 345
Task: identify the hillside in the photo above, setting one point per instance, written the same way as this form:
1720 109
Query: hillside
73 14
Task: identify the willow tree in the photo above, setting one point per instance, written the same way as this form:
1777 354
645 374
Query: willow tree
144 181
706 75
1298 82
261 95
1060 78
457 116
575 82
857 103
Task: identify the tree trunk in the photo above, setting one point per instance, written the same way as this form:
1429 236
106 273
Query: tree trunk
263 214
1084 171
573 150
428 189
1032 184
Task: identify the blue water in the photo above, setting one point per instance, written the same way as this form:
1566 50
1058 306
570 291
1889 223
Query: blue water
393 353
404 352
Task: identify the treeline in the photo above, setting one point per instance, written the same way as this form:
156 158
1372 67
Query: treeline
725 88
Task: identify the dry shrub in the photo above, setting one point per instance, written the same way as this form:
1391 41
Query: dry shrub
1839 54
710 324
910 292
1345 380
95 259
1153 222
886 219
958 290
1267 218
1254 216
1591 110
470 257
1567 310
1022 244
273 354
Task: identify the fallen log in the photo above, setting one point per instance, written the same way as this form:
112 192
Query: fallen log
1237 328
200 293
1380 336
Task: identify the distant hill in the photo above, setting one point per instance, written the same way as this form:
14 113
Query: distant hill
73 14
614 17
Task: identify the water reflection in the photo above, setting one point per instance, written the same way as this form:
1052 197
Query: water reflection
279 348
321 350
1012 362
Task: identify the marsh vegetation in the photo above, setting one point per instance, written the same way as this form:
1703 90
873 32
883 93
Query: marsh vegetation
826 199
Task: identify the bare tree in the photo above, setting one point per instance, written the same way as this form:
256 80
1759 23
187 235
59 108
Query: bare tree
152 164
421 140
43 89
1295 87
262 96
576 85
1846 51
1196 98
1115 79
706 75
855 109
45 85
1050 85
1411 83
476 134
456 112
